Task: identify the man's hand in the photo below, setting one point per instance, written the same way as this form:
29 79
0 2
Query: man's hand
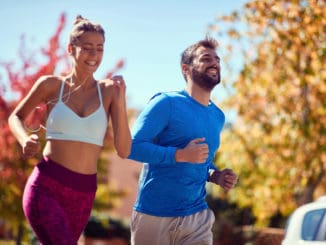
226 178
195 152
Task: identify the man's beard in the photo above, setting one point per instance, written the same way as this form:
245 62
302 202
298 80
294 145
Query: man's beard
205 81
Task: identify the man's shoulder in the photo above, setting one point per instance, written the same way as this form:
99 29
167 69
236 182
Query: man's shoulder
166 94
217 110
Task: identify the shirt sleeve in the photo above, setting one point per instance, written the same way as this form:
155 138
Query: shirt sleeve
212 166
148 126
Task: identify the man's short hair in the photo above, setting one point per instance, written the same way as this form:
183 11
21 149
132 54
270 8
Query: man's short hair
187 55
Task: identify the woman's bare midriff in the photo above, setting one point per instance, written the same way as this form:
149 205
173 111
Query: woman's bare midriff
77 156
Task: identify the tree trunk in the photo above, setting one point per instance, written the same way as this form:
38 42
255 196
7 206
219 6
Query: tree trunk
19 234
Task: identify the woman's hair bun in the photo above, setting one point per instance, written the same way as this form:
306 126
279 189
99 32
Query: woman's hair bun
79 19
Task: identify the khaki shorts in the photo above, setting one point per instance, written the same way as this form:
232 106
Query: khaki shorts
195 229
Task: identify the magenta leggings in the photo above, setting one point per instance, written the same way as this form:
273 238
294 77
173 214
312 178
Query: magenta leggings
57 202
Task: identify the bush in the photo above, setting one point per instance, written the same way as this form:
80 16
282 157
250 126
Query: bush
107 228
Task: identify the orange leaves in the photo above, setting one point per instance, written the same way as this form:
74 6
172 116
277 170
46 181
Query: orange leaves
234 34
277 140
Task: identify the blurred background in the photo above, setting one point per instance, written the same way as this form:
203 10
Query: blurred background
272 91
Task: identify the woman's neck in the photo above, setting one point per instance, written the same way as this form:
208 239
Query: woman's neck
84 81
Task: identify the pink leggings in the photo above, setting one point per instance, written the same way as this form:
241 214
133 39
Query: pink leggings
57 202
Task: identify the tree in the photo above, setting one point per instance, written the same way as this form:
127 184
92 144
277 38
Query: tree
14 169
277 142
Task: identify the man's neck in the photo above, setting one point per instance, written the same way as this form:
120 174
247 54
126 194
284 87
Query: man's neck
200 95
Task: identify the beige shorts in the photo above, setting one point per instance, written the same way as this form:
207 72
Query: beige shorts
195 229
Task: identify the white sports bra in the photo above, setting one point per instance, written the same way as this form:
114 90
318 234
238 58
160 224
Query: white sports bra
64 124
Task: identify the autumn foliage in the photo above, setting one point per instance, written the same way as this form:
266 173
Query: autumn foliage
14 169
277 141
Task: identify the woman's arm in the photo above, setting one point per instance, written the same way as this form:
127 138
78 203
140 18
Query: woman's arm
119 117
37 94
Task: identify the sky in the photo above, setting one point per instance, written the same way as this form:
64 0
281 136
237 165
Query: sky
148 35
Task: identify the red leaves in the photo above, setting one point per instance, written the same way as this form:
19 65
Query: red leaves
21 80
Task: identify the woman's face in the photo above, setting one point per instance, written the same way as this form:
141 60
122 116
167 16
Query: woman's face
88 51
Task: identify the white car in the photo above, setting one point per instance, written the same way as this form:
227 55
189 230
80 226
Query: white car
307 224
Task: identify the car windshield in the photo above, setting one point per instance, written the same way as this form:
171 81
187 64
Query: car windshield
313 227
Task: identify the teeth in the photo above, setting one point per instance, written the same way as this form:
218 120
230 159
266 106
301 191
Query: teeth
212 71
92 63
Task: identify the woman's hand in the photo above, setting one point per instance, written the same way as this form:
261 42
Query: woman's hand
31 146
120 88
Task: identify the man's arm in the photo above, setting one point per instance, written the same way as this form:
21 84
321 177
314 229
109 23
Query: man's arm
149 124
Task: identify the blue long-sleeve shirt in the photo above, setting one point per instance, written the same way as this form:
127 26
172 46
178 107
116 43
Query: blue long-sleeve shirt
169 122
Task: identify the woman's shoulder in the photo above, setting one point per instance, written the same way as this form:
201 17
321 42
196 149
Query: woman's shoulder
107 90
48 85
49 81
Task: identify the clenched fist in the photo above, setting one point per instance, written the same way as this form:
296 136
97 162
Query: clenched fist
31 146
226 178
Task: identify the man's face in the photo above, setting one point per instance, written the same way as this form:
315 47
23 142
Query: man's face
205 68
